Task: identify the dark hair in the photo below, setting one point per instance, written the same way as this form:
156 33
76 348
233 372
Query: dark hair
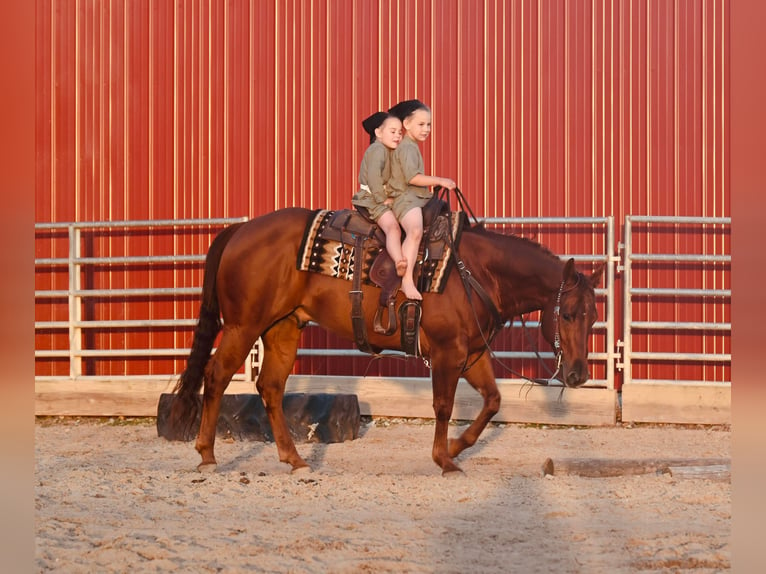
405 109
373 122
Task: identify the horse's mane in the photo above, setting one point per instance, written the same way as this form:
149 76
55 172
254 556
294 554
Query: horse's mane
480 229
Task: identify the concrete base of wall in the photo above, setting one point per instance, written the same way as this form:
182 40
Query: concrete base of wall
378 397
677 402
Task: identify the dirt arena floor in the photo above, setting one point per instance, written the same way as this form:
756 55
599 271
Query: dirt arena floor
112 496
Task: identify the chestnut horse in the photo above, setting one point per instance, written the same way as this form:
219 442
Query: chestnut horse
252 281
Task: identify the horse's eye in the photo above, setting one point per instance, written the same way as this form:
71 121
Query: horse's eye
567 317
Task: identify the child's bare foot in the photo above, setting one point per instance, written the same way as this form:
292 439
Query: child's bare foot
401 267
410 291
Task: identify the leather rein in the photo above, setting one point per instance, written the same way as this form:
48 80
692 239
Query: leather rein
471 284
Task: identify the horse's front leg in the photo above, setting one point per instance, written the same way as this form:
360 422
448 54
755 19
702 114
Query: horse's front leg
482 378
444 377
280 346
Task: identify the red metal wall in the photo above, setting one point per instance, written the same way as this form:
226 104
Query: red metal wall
227 108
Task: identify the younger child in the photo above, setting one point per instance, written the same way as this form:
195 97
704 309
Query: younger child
409 186
385 134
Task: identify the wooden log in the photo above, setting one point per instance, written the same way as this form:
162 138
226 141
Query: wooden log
320 417
601 467
716 472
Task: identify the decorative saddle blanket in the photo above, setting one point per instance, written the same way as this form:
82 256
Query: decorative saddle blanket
331 238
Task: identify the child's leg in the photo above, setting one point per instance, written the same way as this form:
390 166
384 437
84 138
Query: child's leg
390 227
412 222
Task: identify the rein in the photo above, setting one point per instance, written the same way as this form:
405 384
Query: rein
471 284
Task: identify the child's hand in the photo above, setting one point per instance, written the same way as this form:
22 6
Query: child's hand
448 183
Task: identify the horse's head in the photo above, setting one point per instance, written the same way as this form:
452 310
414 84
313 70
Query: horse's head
567 320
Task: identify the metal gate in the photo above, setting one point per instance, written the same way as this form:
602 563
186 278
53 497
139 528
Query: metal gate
680 301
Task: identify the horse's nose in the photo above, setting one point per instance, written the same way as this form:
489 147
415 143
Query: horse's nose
573 379
578 375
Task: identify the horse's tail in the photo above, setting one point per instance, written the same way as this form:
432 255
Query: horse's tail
186 405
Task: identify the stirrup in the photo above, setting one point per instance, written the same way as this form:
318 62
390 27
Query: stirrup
409 314
378 320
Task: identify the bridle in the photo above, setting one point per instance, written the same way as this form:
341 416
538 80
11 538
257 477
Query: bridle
559 352
469 283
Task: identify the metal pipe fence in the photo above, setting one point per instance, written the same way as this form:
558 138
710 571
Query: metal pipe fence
691 267
77 294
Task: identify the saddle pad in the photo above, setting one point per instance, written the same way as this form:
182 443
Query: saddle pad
333 258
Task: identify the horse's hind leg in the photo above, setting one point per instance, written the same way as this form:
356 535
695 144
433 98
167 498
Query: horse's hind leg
280 345
482 378
234 346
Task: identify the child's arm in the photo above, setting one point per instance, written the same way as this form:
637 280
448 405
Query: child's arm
377 173
422 180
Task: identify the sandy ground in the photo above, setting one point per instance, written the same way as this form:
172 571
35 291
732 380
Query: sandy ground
111 496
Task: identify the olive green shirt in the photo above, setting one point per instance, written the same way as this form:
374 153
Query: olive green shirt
375 170
406 163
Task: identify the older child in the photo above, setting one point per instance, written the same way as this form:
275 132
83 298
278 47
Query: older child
409 186
385 134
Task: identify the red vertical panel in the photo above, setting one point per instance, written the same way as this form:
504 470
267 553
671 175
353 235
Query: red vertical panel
263 119
635 139
214 84
84 113
116 115
717 50
660 190
320 149
443 86
343 108
43 113
687 150
576 193
187 156
161 168
472 125
49 310
529 110
283 98
489 174
660 108
137 161
515 153
554 121
370 75
200 109
116 190
64 74
237 107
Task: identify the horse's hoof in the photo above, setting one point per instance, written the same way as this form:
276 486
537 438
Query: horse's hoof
452 471
305 469
207 467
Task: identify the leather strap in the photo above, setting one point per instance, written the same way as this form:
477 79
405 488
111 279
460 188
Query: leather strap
410 312
356 295
471 283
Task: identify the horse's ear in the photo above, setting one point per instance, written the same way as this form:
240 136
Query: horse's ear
595 277
570 273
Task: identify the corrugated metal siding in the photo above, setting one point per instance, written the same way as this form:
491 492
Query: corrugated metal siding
213 108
